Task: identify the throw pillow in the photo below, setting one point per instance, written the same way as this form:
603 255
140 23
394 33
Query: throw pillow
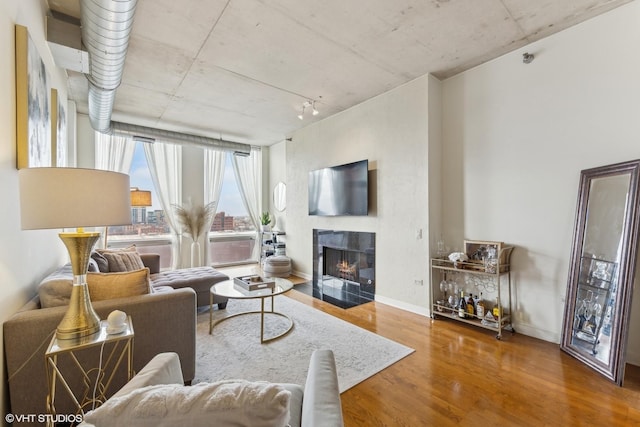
93 266
223 403
103 264
127 259
104 286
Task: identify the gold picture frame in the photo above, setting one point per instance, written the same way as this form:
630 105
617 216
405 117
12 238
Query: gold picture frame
33 105
61 132
54 127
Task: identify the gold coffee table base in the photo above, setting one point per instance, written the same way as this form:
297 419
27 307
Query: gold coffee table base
262 313
228 289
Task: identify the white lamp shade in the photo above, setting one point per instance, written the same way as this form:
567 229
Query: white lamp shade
73 197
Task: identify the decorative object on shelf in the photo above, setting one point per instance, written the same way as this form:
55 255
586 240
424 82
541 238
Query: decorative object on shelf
265 221
458 257
116 322
440 249
193 220
602 268
65 198
491 260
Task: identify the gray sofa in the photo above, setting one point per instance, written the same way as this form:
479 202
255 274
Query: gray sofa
163 321
316 404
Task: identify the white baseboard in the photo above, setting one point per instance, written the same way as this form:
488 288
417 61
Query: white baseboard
303 275
531 331
423 311
520 328
633 358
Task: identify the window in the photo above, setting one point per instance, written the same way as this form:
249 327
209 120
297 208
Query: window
232 236
148 229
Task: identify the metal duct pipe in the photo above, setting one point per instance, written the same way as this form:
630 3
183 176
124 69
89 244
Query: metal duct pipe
146 134
106 25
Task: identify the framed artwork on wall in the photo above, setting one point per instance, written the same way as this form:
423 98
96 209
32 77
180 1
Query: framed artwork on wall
33 107
61 133
54 127
58 130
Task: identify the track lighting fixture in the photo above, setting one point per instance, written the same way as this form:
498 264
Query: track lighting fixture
308 104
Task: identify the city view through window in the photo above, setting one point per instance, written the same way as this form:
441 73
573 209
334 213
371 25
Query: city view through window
232 233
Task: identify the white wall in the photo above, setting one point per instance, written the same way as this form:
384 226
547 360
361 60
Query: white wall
25 256
86 147
391 131
517 136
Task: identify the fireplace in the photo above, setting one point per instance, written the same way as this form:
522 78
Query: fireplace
344 267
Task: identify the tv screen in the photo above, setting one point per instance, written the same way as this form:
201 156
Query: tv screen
339 190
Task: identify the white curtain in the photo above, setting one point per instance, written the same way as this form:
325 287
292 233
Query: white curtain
248 171
214 163
165 165
113 153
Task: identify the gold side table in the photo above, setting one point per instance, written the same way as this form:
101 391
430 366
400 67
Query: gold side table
97 379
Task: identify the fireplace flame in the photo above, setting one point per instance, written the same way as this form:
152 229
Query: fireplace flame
346 270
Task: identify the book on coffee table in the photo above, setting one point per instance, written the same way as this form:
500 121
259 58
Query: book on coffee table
254 283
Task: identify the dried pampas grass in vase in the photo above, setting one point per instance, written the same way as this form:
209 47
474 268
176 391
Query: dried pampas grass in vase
193 219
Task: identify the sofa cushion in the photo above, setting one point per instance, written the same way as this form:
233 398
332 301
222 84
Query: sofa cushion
127 259
230 402
55 289
123 284
200 279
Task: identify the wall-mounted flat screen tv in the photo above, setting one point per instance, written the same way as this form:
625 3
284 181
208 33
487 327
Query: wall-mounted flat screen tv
340 190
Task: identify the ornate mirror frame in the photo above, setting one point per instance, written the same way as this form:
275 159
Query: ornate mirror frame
602 269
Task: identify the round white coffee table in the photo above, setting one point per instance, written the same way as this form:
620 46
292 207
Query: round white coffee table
229 289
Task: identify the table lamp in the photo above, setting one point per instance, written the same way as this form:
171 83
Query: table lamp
69 198
140 198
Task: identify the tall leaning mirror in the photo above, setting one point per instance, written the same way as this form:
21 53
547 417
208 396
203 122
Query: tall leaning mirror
602 269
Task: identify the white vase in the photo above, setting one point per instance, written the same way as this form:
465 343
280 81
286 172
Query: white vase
195 254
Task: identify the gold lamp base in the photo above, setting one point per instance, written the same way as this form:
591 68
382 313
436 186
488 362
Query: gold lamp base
80 320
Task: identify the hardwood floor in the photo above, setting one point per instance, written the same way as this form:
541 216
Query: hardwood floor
462 376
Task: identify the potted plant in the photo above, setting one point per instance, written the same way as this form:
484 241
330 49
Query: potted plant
265 221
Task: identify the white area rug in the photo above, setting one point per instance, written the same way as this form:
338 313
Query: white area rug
234 351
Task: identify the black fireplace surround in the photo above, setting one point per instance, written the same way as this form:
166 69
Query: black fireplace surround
344 267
